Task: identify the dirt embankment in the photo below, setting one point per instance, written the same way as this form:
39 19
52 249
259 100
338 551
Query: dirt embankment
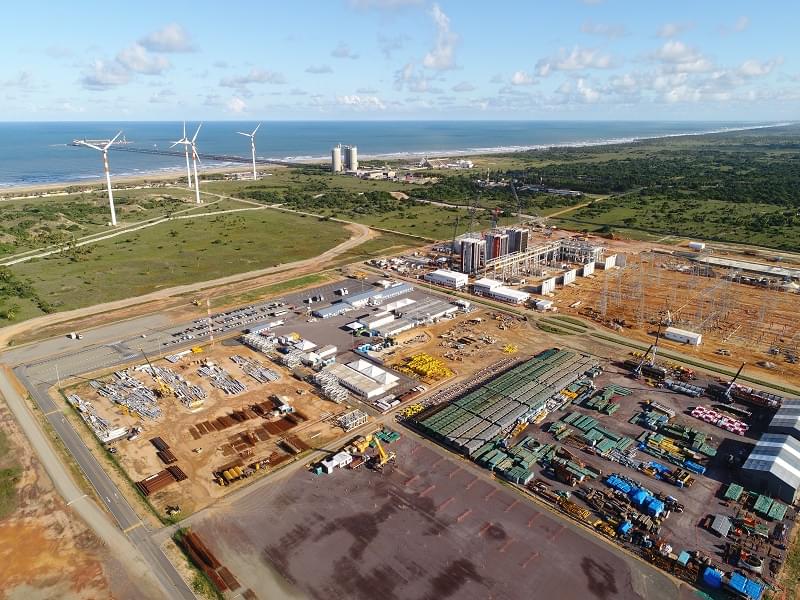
45 550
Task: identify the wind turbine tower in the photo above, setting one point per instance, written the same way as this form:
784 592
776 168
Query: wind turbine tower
195 160
104 150
252 137
184 141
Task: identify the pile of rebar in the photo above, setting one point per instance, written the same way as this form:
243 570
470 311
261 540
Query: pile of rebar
221 379
131 393
255 369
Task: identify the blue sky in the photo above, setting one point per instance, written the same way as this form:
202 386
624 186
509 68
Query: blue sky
401 59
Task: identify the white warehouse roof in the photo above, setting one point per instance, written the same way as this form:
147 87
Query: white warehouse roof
374 372
779 455
487 284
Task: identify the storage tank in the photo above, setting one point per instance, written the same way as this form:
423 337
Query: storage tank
351 158
336 159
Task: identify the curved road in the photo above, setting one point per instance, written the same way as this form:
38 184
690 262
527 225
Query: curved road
361 234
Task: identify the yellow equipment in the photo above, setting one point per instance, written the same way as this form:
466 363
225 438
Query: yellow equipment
383 457
163 388
510 348
197 350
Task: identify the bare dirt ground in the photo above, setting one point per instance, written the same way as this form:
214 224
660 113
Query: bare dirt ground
202 454
47 325
46 551
743 320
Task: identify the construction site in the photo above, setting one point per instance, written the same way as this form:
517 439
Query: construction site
741 318
652 467
188 427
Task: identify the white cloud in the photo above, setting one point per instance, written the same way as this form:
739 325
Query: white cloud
588 93
361 102
464 86
624 84
138 60
442 56
23 80
343 51
59 51
298 92
319 69
756 68
577 59
236 105
522 78
254 76
408 78
104 75
170 38
368 91
609 30
682 58
671 30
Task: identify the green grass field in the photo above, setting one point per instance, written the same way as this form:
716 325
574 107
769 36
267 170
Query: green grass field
9 475
178 252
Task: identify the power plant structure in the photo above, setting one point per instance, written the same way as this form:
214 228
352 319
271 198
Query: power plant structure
473 254
344 158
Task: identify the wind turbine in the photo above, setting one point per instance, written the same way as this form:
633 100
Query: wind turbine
252 137
195 160
184 141
104 150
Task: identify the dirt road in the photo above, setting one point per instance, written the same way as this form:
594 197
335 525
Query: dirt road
360 234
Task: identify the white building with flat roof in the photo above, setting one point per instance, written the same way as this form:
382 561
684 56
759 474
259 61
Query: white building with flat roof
683 336
451 279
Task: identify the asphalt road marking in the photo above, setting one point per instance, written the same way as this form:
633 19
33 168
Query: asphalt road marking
131 528
76 499
52 412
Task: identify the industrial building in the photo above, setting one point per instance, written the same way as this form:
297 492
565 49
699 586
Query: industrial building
517 239
773 467
372 297
495 289
535 260
473 254
344 158
336 159
496 244
787 419
683 336
362 378
451 279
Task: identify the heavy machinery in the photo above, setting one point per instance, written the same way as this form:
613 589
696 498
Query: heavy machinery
734 392
164 390
382 458
647 366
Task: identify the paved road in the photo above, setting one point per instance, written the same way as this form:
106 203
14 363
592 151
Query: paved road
131 542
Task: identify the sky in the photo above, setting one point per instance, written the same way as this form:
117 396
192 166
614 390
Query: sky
401 59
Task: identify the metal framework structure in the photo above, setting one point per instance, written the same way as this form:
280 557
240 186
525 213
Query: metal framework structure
535 259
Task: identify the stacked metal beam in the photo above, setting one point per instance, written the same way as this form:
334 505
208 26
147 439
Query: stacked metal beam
519 394
255 369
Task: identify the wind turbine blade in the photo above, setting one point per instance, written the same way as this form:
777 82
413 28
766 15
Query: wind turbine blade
114 139
241 133
88 145
196 132
184 130
175 144
256 129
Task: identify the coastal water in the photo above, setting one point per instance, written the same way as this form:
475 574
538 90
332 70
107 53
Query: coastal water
41 153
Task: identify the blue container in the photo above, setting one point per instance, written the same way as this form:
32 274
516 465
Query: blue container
694 467
737 582
655 507
624 527
712 578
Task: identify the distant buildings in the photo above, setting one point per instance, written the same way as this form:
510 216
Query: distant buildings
344 158
496 244
473 254
445 163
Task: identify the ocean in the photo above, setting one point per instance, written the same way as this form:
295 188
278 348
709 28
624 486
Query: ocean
41 153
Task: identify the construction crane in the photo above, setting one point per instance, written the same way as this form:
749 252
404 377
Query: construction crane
455 234
473 209
164 389
636 373
519 202
379 461
726 395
